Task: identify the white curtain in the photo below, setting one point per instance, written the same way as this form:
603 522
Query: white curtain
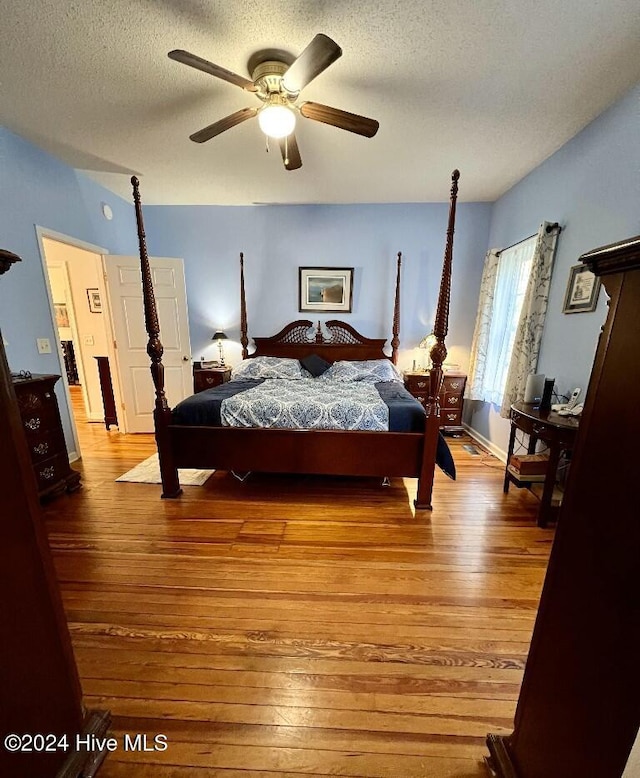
528 335
476 388
503 287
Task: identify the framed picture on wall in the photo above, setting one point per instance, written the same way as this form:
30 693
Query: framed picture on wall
62 314
95 303
325 289
582 290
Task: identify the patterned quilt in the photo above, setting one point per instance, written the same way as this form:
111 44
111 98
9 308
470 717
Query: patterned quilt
308 404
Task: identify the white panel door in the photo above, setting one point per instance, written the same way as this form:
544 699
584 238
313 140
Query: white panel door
124 286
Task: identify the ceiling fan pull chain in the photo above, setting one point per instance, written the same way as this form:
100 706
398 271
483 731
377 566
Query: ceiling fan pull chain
286 150
266 143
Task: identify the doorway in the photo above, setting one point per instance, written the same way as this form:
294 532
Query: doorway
97 309
82 322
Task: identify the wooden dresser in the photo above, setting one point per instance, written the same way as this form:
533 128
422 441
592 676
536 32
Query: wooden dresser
205 378
579 704
43 430
451 396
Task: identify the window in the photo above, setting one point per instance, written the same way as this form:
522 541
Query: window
512 276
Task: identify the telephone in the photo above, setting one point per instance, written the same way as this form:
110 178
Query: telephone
575 411
569 408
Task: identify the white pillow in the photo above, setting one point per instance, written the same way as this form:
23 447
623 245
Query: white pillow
267 367
369 370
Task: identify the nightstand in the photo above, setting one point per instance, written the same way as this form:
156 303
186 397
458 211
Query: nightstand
205 378
451 397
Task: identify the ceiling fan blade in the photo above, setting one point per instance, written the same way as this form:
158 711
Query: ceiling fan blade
290 152
213 70
223 124
342 119
318 55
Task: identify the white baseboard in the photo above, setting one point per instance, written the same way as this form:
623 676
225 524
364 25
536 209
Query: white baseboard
497 452
73 456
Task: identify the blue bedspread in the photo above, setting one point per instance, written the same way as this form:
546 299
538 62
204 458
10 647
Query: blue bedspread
405 412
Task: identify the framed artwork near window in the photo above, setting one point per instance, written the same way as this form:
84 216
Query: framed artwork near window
95 303
582 292
325 289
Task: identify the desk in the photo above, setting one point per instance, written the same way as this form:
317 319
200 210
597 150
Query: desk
558 432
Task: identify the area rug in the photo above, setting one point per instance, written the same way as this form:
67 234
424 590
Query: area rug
148 472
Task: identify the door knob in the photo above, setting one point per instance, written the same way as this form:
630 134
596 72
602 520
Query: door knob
185 359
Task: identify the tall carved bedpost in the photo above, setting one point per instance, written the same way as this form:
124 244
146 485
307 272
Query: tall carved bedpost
395 340
244 340
438 355
162 412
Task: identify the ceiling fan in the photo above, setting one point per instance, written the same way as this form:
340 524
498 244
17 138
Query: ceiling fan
278 79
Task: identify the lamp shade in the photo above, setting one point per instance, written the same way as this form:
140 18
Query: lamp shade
219 335
428 342
7 258
276 121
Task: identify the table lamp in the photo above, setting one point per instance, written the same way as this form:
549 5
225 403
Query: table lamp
220 336
426 344
7 258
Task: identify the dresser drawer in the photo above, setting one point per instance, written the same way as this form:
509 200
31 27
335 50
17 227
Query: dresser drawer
417 383
206 379
421 397
51 471
35 422
452 401
453 384
33 401
450 417
43 445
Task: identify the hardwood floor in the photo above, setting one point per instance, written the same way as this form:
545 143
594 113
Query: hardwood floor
298 626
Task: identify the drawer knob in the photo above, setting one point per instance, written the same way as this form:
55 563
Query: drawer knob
41 448
209 379
48 472
451 416
454 400
421 384
455 384
33 424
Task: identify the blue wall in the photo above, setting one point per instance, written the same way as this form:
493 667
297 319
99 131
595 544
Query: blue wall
37 189
591 186
276 240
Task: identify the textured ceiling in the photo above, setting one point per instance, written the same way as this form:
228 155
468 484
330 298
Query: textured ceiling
491 87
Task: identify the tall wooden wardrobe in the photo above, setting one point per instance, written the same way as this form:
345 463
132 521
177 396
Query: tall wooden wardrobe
39 688
579 707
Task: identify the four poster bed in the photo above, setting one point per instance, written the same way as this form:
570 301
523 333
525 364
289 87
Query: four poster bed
360 452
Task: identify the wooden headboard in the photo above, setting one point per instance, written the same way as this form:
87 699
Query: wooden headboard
340 341
333 341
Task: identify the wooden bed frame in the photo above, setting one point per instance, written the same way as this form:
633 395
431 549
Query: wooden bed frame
322 452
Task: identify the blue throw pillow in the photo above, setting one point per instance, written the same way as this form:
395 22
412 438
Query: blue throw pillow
315 365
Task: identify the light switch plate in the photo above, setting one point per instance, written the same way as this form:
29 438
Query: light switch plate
44 346
88 340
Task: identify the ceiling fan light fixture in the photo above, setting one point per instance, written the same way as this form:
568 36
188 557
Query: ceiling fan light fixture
276 121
